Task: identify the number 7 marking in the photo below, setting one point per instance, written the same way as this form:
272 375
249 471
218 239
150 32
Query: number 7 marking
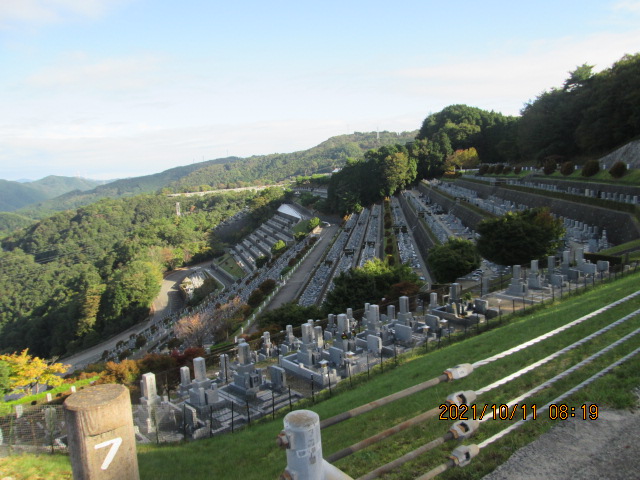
115 445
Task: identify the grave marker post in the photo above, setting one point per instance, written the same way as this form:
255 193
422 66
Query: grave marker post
101 437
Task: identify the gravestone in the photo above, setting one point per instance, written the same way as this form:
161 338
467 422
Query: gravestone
404 316
278 378
603 266
432 322
480 305
319 338
516 286
336 356
197 397
433 300
391 312
343 324
223 375
534 280
185 380
403 333
374 344
454 292
148 389
200 374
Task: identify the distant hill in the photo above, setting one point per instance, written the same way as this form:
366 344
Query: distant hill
11 221
229 172
54 185
16 195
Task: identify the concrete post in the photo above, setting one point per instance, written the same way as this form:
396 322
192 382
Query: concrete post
101 436
301 438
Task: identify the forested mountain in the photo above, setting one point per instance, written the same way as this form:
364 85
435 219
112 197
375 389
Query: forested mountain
12 221
73 278
229 172
15 195
590 115
265 169
118 188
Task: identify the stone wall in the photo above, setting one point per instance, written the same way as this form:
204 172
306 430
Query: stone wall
629 154
600 187
423 240
621 227
469 218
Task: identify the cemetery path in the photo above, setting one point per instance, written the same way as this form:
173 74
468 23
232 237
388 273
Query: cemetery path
301 275
577 449
167 301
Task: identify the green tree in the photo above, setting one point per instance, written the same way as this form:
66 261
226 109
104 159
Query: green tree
5 378
453 259
578 77
368 284
278 247
516 238
287 314
313 223
261 261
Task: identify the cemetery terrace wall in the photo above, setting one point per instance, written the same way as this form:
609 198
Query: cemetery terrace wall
621 227
601 187
468 217
423 240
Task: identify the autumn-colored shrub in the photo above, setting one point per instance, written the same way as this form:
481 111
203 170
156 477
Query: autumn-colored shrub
590 168
618 169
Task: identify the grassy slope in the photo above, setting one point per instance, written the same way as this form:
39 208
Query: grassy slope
252 454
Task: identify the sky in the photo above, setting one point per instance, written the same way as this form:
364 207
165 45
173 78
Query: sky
109 89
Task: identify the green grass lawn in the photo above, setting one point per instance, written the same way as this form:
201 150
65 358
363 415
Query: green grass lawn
252 453
632 177
228 263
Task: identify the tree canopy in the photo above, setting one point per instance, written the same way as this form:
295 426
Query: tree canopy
26 371
453 259
78 275
516 238
370 284
591 114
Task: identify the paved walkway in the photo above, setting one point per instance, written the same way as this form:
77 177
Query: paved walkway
297 281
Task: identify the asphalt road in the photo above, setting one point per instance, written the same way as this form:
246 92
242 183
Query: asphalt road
295 283
168 301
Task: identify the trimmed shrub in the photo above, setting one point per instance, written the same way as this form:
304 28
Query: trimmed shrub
567 168
517 170
549 166
499 169
618 169
507 169
482 170
590 168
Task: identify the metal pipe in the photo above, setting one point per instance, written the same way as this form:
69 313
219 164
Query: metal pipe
433 473
354 412
382 435
407 457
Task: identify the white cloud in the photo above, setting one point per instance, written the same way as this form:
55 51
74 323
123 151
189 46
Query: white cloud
77 71
627 6
51 11
507 80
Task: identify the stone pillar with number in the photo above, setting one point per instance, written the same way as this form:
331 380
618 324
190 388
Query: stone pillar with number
101 436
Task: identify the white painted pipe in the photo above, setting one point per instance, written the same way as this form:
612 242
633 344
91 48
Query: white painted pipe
301 438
